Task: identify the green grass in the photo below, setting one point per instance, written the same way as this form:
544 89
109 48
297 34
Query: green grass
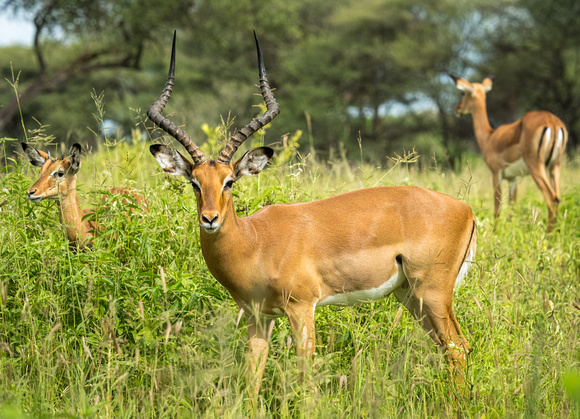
102 333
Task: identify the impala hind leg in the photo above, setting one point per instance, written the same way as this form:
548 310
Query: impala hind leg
513 191
259 332
555 178
541 179
435 314
555 164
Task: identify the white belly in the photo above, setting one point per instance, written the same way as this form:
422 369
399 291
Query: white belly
364 296
515 169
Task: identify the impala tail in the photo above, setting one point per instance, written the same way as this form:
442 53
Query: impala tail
469 257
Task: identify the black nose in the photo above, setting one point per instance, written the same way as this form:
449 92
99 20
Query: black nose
207 220
30 193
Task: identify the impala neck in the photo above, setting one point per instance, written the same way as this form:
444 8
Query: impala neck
235 240
71 215
481 125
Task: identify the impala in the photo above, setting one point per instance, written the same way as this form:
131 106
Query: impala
57 182
531 145
286 260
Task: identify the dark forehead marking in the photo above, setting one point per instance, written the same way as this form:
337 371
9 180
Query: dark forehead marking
212 163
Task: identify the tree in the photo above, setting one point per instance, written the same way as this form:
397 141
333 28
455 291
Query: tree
375 69
532 49
106 34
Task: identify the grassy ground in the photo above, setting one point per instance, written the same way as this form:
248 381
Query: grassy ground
137 327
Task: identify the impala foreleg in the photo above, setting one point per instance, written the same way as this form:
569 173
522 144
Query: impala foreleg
302 324
259 332
496 194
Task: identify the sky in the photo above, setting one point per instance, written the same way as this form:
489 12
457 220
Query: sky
15 30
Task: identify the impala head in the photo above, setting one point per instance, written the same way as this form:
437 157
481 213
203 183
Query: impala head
55 174
212 180
473 93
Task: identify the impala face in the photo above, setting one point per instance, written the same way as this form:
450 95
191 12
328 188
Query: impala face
55 174
473 94
212 183
212 180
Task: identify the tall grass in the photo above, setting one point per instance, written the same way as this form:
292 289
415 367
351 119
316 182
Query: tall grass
137 327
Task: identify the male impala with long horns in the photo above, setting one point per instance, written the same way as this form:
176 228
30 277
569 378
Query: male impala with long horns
532 145
286 260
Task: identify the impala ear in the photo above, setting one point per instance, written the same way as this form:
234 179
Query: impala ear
253 162
37 157
487 83
75 158
463 84
171 161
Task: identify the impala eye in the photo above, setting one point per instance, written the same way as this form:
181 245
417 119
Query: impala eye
195 186
229 184
60 175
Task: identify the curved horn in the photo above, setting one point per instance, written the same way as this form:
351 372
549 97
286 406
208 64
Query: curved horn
154 114
272 110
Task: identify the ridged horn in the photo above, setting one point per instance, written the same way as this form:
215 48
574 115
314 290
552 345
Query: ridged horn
154 114
272 110
454 77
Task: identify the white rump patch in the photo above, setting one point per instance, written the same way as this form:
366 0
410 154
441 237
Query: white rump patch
464 268
547 138
559 142
364 296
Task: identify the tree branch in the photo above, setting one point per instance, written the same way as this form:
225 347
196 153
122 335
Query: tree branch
39 22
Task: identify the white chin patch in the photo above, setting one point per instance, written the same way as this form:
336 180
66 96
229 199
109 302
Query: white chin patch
35 199
210 230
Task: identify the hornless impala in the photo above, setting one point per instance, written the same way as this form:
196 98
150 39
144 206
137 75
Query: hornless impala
57 182
531 145
289 259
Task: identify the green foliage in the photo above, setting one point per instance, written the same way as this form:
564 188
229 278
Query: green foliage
343 68
531 48
572 385
137 326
